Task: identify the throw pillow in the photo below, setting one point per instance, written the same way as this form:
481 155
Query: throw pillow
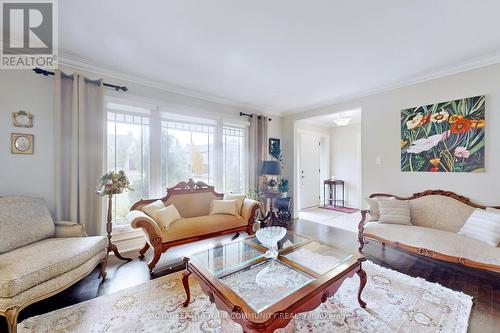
483 225
395 212
224 207
152 208
240 198
373 207
166 216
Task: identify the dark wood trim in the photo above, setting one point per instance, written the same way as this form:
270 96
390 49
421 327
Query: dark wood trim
181 188
449 194
423 251
278 315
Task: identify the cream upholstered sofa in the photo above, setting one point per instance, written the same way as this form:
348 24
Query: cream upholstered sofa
436 217
39 258
193 201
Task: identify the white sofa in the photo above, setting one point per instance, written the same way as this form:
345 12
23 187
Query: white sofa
436 216
39 258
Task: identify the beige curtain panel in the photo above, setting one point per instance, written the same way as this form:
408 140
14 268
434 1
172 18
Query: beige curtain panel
258 138
79 126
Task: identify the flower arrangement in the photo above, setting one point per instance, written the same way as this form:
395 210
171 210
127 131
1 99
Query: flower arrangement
283 185
444 137
113 183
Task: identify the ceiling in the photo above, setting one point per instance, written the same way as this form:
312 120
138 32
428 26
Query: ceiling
280 55
328 120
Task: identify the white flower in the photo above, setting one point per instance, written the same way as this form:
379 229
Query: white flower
421 145
440 116
417 120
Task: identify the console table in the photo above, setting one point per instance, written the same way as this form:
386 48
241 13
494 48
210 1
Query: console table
331 185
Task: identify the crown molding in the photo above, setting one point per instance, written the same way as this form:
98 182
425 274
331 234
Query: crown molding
77 63
81 64
471 64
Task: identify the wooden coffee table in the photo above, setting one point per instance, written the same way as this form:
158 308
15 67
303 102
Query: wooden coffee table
264 294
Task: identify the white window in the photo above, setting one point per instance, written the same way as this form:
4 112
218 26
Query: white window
187 152
128 150
157 150
234 170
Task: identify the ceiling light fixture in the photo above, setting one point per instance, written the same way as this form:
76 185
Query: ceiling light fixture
342 121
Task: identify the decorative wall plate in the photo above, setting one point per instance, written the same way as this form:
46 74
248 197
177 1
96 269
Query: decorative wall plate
21 143
22 119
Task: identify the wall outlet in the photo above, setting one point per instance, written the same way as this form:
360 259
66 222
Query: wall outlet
378 160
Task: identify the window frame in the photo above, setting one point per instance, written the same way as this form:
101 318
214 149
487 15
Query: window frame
158 114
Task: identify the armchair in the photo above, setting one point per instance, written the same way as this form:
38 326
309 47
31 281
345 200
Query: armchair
39 257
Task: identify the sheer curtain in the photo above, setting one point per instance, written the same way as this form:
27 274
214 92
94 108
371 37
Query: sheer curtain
79 125
258 138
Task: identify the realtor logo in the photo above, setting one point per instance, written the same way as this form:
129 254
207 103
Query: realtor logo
29 34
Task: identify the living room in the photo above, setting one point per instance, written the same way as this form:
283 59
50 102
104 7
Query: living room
156 174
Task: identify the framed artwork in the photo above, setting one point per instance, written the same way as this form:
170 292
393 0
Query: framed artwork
21 143
275 148
444 137
22 119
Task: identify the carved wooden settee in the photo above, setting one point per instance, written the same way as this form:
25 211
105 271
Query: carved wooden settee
193 201
436 216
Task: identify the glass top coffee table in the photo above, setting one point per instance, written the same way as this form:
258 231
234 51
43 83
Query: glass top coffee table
264 294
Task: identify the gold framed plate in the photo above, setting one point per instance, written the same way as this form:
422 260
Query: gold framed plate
21 143
22 119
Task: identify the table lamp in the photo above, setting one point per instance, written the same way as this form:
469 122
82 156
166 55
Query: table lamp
271 168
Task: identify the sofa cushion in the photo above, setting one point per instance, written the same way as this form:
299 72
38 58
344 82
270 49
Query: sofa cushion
236 196
23 220
224 207
27 266
483 225
373 207
394 211
192 204
444 242
166 216
152 208
202 225
439 212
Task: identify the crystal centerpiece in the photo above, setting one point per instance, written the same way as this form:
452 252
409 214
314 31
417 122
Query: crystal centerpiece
269 237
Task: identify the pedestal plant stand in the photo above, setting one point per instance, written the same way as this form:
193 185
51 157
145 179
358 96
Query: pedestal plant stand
110 184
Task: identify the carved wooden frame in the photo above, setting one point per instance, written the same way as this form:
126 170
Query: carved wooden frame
423 251
184 188
279 314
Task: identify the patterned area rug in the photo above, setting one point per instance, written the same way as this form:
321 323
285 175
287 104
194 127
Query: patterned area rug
396 303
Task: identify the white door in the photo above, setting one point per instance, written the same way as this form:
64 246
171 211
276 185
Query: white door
309 170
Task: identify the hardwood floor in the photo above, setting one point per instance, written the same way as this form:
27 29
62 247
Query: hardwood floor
483 286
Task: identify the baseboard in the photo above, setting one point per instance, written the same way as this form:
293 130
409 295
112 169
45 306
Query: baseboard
130 244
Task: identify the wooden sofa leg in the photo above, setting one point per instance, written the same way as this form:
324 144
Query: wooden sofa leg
143 250
156 257
12 314
361 241
102 268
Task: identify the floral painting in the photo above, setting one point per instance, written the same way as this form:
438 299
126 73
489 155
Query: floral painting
444 137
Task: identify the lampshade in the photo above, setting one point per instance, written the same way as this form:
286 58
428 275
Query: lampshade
271 168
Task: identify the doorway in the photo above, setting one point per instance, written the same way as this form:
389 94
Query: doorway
309 170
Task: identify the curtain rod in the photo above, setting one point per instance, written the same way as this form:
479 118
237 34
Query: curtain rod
251 115
47 73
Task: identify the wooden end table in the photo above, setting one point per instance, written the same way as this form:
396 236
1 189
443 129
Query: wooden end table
264 294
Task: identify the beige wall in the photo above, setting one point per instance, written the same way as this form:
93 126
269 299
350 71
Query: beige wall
33 175
27 174
345 159
380 130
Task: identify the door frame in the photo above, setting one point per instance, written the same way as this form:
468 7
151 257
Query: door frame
324 162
